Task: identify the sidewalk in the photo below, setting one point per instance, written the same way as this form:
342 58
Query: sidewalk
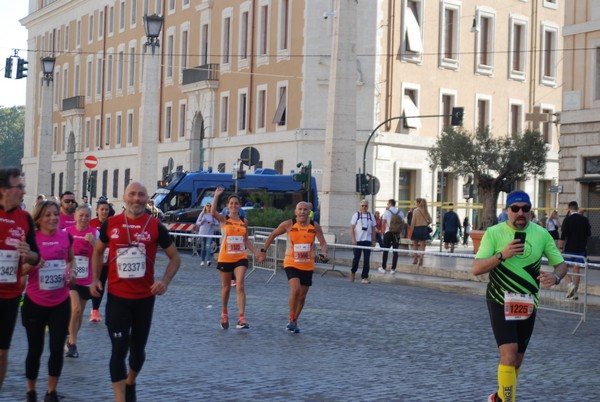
442 271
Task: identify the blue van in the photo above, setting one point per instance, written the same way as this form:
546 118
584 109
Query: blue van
182 195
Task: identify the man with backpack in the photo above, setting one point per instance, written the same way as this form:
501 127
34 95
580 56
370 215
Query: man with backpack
393 228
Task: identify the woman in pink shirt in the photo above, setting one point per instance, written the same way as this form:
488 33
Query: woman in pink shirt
46 300
84 238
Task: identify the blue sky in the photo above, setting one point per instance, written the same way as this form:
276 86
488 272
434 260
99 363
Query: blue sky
12 35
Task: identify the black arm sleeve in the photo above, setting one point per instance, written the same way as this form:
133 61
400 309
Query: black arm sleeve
103 236
30 237
164 238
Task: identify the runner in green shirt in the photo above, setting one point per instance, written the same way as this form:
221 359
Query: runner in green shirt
511 252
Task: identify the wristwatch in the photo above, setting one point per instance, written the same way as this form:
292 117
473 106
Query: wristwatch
557 279
262 250
499 256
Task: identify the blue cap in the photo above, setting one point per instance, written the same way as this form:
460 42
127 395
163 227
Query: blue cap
517 196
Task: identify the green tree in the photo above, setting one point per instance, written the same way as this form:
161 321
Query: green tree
496 163
12 128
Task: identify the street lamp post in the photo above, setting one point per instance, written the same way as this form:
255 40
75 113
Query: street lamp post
45 140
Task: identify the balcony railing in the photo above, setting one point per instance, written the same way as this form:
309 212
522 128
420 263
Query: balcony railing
206 72
76 102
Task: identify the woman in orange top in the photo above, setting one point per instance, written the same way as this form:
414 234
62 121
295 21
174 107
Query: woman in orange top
232 256
299 262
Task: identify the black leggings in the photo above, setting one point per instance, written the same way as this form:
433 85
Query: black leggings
128 322
35 319
9 309
103 276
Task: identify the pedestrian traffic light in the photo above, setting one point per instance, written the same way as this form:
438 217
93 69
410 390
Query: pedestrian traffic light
457 116
8 67
22 68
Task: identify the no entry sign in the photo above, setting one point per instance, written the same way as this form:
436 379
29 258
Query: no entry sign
90 161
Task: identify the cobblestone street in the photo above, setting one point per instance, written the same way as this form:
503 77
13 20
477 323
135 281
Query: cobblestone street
376 342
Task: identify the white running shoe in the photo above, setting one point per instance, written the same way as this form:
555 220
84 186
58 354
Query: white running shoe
380 269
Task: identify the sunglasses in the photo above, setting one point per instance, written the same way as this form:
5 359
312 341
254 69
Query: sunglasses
69 201
524 208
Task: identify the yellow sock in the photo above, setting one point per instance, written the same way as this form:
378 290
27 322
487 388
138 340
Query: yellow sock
507 383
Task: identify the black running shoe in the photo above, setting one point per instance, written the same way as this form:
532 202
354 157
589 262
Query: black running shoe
31 396
52 397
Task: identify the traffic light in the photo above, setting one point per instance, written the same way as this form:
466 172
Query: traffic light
299 177
362 184
22 68
457 116
8 67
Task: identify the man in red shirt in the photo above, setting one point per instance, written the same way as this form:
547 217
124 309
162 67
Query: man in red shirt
17 246
132 238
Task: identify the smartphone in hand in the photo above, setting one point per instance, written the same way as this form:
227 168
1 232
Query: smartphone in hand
521 237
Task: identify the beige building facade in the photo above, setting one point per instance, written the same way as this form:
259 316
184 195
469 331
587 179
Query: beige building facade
498 60
240 73
232 74
580 116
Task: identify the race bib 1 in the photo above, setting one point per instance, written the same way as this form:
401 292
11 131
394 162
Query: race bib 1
52 275
301 252
518 306
82 264
9 264
131 263
235 245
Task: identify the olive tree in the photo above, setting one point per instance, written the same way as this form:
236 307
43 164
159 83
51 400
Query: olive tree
495 162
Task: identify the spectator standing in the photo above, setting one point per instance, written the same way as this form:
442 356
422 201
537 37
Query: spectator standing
362 230
378 228
17 246
553 225
206 224
466 230
573 240
393 226
503 217
450 225
421 231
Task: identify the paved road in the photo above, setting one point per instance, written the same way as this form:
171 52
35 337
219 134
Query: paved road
377 342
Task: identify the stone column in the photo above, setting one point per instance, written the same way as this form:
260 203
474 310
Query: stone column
149 130
338 202
44 183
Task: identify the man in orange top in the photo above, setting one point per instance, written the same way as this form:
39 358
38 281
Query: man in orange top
299 262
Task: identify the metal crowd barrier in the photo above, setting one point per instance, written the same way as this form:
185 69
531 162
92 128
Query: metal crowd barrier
554 298
275 253
550 299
